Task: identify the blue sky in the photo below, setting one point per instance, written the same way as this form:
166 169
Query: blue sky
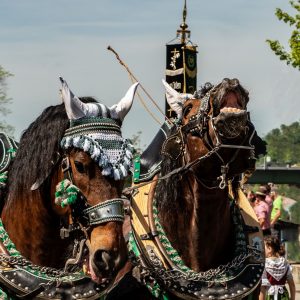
42 39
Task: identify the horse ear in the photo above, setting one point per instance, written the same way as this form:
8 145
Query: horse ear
175 99
75 108
120 110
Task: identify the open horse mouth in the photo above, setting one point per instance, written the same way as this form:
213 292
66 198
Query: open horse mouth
230 102
89 270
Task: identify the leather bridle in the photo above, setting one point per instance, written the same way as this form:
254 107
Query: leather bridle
198 125
85 216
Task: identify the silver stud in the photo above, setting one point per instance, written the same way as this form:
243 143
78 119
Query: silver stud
19 284
226 296
91 292
50 295
251 285
202 295
238 291
14 273
257 275
26 288
13 280
93 215
244 289
233 294
108 210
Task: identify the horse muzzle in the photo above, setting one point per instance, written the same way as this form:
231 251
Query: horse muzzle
230 122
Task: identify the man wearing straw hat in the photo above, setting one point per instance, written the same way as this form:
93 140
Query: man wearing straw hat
262 210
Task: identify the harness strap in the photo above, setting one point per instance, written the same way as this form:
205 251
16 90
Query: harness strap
109 211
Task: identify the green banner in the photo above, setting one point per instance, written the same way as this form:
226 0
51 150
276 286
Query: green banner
181 71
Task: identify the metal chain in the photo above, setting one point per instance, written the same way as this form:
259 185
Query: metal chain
23 262
210 275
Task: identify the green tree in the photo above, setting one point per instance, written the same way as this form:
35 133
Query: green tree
292 56
283 144
4 100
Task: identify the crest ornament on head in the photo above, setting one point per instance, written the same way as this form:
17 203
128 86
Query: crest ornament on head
95 128
175 99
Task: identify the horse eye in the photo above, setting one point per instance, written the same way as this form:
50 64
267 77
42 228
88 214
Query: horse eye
79 166
186 110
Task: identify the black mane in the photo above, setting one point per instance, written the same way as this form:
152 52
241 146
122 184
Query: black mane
168 190
38 148
39 144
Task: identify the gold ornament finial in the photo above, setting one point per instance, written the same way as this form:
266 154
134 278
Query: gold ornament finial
183 32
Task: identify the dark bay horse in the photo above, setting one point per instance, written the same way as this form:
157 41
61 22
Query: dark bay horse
63 206
196 227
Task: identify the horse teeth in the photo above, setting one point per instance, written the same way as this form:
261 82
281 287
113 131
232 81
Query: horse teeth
230 110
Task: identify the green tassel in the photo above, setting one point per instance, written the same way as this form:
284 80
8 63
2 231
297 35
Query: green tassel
66 193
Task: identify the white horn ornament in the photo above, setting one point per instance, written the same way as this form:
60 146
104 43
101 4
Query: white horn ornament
175 99
75 108
120 110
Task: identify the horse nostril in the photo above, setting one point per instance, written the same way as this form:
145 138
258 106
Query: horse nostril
103 260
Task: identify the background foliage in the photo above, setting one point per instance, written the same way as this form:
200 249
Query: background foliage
291 56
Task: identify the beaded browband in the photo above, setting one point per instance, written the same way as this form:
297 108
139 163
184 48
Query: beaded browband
101 138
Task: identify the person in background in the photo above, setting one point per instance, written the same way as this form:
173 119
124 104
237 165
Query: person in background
276 211
277 273
262 210
268 198
251 197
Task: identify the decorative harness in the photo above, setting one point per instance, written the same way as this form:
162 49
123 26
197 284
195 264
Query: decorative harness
158 264
28 281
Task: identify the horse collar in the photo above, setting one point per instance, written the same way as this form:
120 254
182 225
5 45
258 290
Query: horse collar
161 268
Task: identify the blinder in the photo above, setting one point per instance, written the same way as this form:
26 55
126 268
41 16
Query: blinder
197 125
173 146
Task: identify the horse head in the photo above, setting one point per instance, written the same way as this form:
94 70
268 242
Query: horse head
96 160
215 122
67 178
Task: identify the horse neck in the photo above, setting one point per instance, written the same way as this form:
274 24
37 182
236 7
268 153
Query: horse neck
34 227
200 225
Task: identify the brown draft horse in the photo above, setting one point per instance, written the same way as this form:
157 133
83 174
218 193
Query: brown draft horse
30 216
194 209
213 142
